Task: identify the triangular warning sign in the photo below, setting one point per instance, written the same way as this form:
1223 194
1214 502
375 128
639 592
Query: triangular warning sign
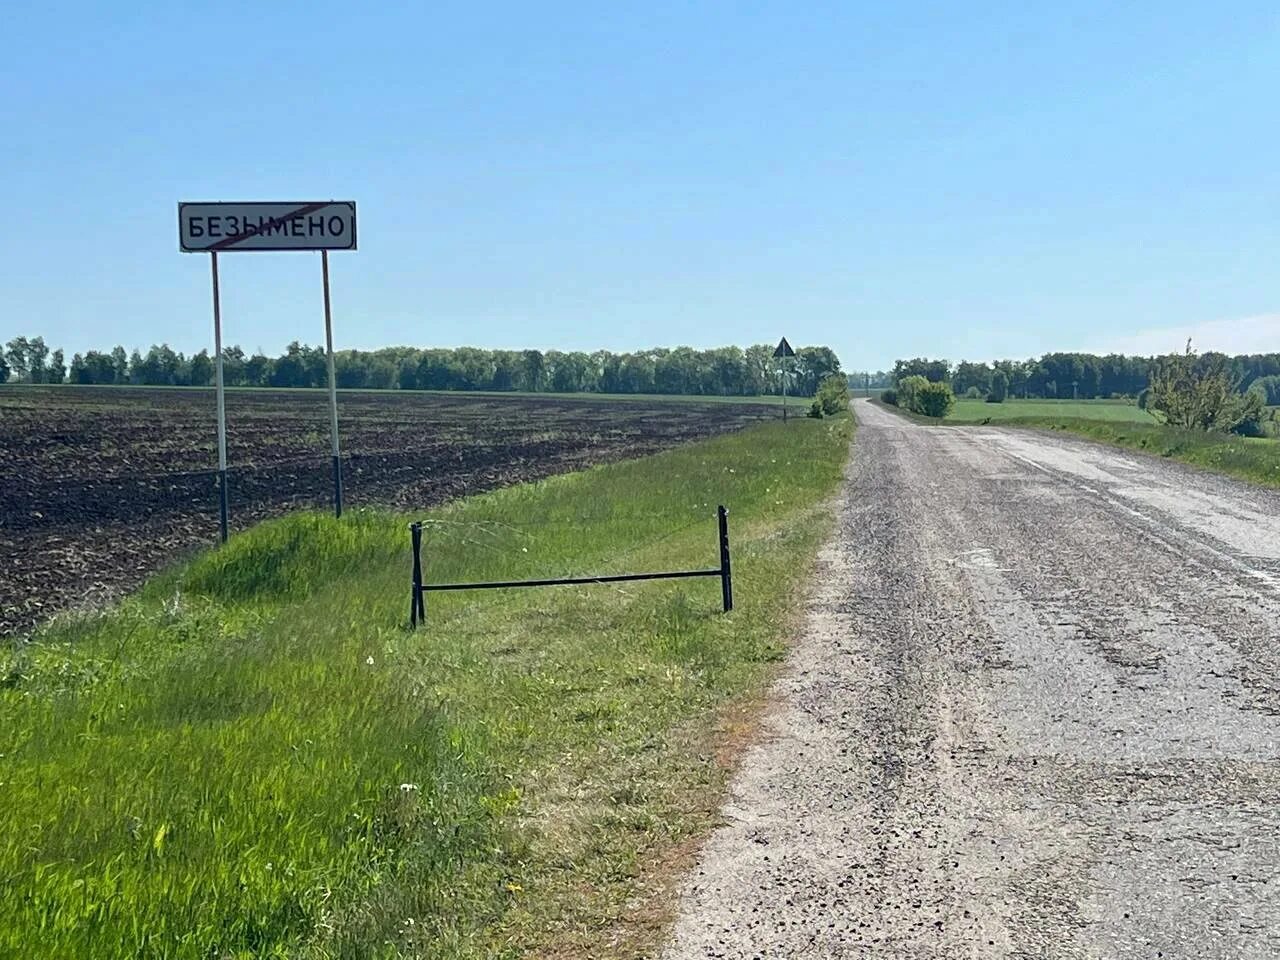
784 349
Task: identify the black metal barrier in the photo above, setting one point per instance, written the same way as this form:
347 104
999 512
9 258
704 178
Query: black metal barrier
418 606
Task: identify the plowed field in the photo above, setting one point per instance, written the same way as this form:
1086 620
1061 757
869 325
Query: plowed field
100 487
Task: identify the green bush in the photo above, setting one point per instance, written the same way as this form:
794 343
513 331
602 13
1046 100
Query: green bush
815 410
933 400
889 396
908 387
973 393
833 394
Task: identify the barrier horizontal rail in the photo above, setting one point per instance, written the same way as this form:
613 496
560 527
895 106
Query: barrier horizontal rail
418 608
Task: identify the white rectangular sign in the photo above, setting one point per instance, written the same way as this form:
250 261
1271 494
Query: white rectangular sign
219 227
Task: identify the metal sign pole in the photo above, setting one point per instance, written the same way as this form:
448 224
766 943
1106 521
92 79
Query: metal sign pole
333 388
784 389
222 402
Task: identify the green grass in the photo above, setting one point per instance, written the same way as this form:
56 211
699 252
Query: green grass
976 411
253 757
1114 422
1248 458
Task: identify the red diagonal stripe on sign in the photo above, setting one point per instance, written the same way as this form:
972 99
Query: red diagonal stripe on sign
300 212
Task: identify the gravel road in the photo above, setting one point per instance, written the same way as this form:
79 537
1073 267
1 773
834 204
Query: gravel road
1035 713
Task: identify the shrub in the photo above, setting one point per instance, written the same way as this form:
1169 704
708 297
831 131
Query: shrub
833 394
1199 392
815 410
934 400
973 393
999 387
908 387
889 396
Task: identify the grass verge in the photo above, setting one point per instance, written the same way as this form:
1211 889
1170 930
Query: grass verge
1248 458
1254 459
252 757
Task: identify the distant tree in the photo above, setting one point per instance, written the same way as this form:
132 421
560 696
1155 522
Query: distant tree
812 366
4 369
637 373
433 371
200 369
533 367
936 371
381 374
301 366
232 366
93 367
1268 388
506 370
568 371
969 375
351 368
37 355
999 387
56 371
26 357
470 368
159 368
257 370
120 365
17 352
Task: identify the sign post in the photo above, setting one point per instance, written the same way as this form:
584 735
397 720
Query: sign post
333 388
222 402
256 226
784 352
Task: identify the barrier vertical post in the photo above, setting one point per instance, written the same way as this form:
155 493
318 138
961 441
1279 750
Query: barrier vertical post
222 402
726 571
333 389
417 607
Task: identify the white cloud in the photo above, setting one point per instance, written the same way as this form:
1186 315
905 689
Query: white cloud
1260 334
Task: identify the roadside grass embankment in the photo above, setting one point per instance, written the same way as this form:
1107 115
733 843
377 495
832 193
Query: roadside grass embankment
1255 459
253 757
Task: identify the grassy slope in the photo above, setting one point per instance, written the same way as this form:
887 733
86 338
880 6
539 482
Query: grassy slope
1253 459
253 757
975 411
1256 460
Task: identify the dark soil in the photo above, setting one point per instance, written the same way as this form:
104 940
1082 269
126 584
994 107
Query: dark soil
100 487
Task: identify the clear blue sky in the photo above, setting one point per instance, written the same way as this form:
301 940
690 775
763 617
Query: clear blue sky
965 180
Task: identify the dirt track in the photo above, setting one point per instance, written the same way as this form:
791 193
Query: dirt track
1036 713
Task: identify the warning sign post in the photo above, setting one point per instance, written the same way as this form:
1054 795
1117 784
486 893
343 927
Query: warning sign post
254 226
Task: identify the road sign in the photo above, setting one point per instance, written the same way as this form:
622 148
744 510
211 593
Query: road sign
783 351
230 227
215 228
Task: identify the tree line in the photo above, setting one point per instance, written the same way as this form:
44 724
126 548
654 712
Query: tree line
1084 376
723 371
